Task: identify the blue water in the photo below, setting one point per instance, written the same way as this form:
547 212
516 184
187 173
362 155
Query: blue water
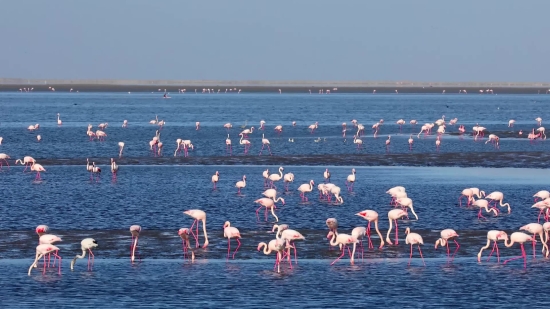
155 196
19 110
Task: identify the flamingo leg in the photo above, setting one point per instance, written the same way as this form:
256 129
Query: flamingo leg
295 254
522 256
228 247
257 210
396 232
343 252
238 246
371 246
419 250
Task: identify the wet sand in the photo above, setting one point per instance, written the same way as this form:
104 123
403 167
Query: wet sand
482 159
12 84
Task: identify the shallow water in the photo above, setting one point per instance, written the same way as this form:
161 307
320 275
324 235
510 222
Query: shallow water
182 111
153 192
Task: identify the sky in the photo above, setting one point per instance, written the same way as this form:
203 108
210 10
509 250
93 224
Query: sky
354 40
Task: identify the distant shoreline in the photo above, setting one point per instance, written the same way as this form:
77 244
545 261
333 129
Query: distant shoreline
173 86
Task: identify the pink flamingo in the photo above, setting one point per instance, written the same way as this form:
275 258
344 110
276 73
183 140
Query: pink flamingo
245 132
290 237
228 126
343 240
371 215
393 215
231 232
183 233
468 194
521 238
267 203
437 143
198 215
246 144
277 245
388 143
228 147
114 168
359 233
498 197
265 142
121 148
536 229
543 194
42 250
288 178
100 135
313 127
197 125
279 129
134 230
215 179
411 141
351 180
326 175
86 244
484 204
35 167
240 184
41 230
305 188
444 240
48 239
414 239
332 224
4 157
494 236
27 161
96 171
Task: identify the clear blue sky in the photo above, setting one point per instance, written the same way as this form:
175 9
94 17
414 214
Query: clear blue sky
277 40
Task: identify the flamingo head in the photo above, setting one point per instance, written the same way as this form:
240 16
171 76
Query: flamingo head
226 224
407 230
330 235
183 231
217 173
283 200
452 234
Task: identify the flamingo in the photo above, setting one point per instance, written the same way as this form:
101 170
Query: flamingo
50 240
277 245
276 177
393 215
27 161
272 194
265 142
267 203
228 147
197 125
541 131
371 215
494 236
343 240
96 170
484 204
4 157
231 232
411 141
154 121
336 191
305 188
215 179
351 180
134 230
279 129
326 175
114 168
100 135
35 167
498 196
240 184
393 191
413 122
388 143
437 143
86 244
521 238
89 168
125 124
414 239
539 120
536 229
120 149
32 128
245 132
358 141
42 250
406 202
478 193
246 144
228 126
41 230
400 122
102 126
290 237
541 194
288 178
446 234
511 123
198 215
183 233
265 174
332 224
313 127
59 122
468 194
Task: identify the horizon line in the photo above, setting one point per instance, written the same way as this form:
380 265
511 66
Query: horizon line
265 83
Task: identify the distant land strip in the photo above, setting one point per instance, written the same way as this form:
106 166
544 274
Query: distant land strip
223 86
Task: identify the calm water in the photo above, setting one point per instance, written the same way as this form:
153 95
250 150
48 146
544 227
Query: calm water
155 197
19 110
